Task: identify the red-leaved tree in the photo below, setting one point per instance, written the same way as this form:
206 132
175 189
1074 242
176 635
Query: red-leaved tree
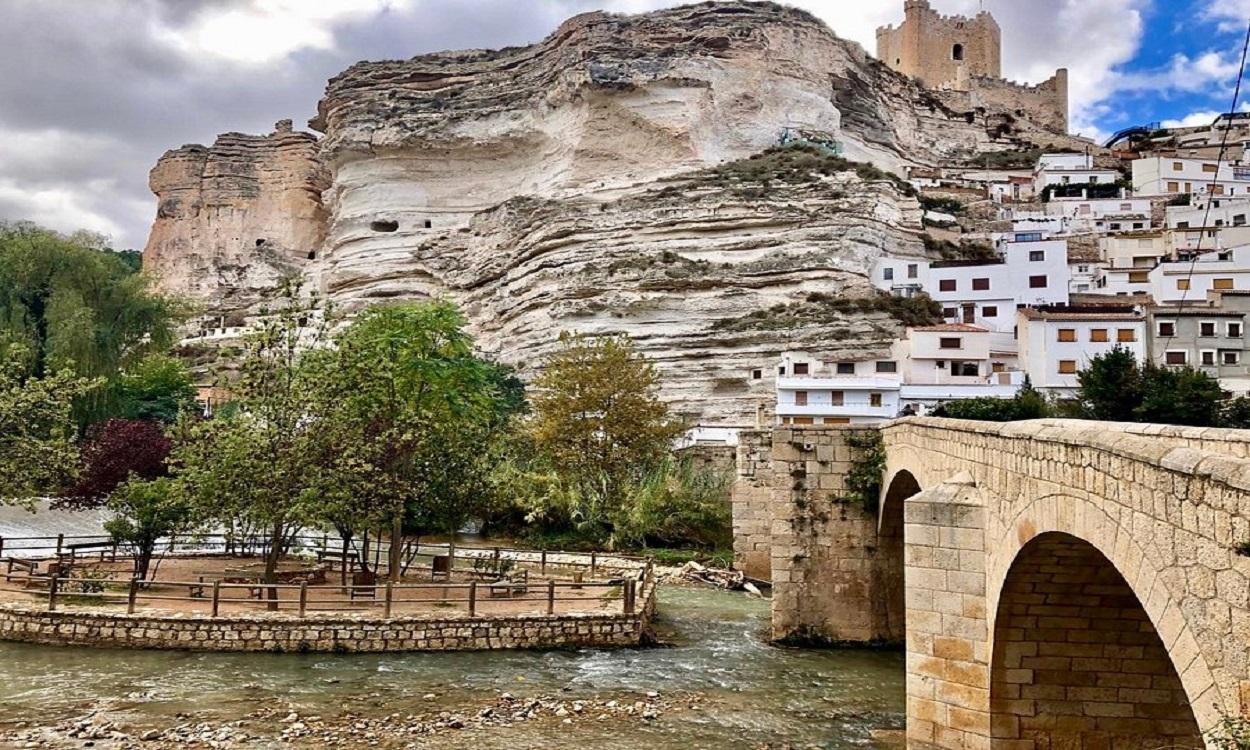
115 449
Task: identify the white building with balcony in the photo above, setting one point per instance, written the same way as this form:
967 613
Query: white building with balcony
953 361
1169 175
1069 169
813 392
1102 214
1190 280
1056 343
987 293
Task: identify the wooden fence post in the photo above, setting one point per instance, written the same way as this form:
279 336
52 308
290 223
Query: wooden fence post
451 558
472 598
551 597
303 599
593 559
544 563
390 593
630 593
132 595
60 542
216 597
52 586
1 546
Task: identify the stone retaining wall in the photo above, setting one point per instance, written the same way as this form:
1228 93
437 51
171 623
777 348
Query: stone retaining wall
339 633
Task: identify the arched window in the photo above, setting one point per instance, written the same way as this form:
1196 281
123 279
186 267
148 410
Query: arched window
957 52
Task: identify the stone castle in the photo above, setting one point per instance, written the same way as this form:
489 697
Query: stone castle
963 56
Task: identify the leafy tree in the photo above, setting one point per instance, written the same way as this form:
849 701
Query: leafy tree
157 388
1236 413
114 451
38 454
1111 387
677 503
1184 396
144 512
253 466
73 304
409 408
1028 403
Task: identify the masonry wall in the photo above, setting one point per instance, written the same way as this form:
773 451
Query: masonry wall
752 498
829 573
86 627
922 46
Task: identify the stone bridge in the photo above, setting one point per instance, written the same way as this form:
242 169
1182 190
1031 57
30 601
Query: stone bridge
1058 584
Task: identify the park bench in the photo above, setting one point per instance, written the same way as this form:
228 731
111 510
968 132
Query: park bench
363 585
337 558
516 584
71 552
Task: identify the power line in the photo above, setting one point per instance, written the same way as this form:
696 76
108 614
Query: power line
1215 179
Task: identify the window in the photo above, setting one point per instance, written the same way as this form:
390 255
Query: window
953 342
1182 225
874 399
957 52
946 285
1239 220
1125 335
949 312
887 274
965 369
1208 168
1176 357
989 311
1138 277
1098 335
800 398
1166 328
1037 255
998 367
781 370
1067 367
1206 357
1234 330
980 285
837 398
801 368
1182 284
1174 187
913 270
1230 358
1206 329
1067 334
1037 282
1178 166
887 366
1115 225
757 374
1222 284
846 368
1029 237
1126 206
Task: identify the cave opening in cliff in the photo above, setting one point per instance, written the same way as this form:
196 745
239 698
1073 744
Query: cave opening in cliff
384 225
312 254
260 242
428 224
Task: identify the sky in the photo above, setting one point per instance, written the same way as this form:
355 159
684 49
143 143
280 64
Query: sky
92 92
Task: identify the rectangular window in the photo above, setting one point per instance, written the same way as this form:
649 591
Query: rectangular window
800 398
874 399
965 369
1239 220
1182 284
1067 366
1234 330
953 342
1206 357
1176 357
989 311
1125 335
801 368
1098 335
887 366
998 367
1222 284
1178 166
946 285
846 368
1067 334
757 374
1209 168
913 270
949 312
1138 277
1182 225
1166 328
837 398
980 285
1037 255
1206 329
1037 282
1231 358
887 274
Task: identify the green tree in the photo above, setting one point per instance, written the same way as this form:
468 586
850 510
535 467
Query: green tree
1110 387
75 305
145 511
1236 413
38 452
1028 403
254 466
1183 395
599 423
156 389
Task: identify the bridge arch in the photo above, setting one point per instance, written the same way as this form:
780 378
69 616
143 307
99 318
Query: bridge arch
1065 579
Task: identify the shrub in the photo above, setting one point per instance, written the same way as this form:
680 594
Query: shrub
867 469
1026 404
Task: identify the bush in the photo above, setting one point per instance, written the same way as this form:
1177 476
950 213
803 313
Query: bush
1026 404
867 469
1232 733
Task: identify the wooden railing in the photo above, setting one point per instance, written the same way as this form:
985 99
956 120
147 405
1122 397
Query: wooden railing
474 598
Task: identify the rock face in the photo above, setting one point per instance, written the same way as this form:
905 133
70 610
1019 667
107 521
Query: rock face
602 181
236 218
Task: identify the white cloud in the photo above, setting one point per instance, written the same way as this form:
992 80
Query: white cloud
1192 120
1230 15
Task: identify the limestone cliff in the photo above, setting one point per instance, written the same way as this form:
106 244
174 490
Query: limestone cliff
235 218
601 180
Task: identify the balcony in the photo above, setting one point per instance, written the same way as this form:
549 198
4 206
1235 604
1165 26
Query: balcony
888 410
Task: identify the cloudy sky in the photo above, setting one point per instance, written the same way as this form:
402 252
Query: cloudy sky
93 91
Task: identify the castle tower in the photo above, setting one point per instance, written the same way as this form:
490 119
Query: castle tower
942 51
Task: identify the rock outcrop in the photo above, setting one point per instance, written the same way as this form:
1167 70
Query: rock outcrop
234 219
600 181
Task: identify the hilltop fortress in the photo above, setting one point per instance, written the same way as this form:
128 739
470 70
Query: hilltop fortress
962 57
